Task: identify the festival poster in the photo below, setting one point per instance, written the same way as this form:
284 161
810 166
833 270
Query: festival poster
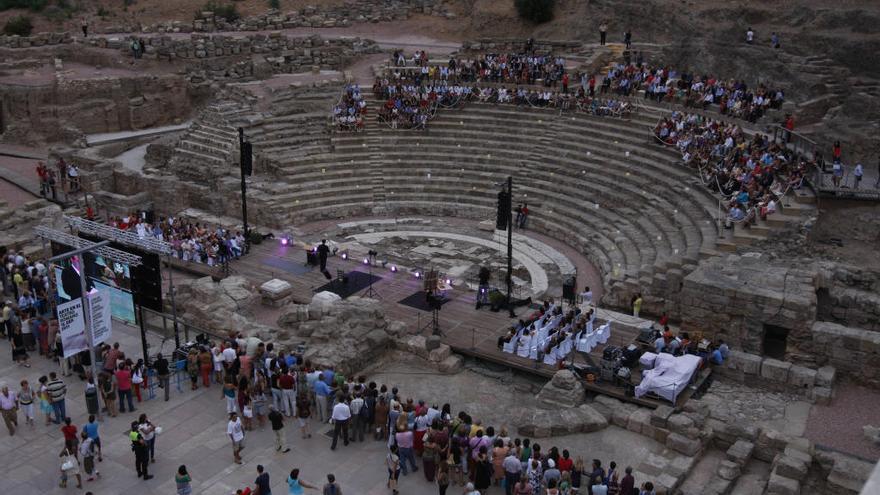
100 315
72 326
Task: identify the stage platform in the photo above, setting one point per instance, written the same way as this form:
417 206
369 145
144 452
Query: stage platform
468 331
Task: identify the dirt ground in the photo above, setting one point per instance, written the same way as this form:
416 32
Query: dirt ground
856 225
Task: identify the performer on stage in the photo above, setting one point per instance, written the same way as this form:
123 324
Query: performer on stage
323 251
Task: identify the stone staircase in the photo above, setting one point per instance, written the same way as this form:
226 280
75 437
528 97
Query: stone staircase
209 148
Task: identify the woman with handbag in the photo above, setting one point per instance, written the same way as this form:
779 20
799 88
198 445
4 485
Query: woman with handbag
137 378
69 467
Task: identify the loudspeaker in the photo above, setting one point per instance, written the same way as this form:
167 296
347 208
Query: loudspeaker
247 158
568 289
503 216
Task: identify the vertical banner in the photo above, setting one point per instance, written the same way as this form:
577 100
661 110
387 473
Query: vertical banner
100 315
72 325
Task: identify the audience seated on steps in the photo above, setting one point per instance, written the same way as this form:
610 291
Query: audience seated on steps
349 113
751 174
734 98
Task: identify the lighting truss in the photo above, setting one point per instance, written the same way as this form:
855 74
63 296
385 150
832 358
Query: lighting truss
79 243
125 237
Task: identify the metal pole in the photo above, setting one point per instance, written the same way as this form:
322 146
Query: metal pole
173 304
507 210
143 335
244 217
88 320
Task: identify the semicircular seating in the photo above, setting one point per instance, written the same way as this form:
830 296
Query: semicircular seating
599 184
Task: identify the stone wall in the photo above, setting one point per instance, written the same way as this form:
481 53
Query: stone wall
39 39
733 298
319 16
852 350
851 296
95 105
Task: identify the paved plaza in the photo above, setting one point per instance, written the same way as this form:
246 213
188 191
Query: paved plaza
194 434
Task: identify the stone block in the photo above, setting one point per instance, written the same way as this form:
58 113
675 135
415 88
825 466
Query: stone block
716 486
769 444
452 364
661 415
432 342
825 376
590 419
661 434
790 467
780 485
679 423
729 470
749 364
638 419
822 395
683 444
801 378
798 454
848 475
681 465
620 416
666 483
775 370
653 465
740 452
439 354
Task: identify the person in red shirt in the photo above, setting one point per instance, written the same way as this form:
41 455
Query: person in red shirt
565 463
123 384
71 441
664 319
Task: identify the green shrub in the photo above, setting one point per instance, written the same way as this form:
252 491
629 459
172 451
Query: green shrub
227 11
34 5
536 11
20 25
275 4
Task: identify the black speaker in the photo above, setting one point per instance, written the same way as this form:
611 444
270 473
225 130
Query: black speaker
503 215
247 158
568 289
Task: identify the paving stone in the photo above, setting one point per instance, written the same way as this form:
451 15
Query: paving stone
681 465
769 444
716 486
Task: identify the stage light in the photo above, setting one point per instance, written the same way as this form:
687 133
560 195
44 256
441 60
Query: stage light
345 256
366 261
285 241
418 275
394 268
448 282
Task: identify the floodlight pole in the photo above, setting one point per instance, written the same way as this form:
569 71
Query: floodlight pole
508 208
85 304
244 216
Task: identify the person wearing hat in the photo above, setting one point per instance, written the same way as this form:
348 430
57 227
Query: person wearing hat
551 473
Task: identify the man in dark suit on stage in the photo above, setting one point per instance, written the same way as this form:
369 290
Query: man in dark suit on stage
323 251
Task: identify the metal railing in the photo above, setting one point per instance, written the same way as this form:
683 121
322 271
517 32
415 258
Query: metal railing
163 324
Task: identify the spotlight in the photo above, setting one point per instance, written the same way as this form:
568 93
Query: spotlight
366 261
418 275
345 256
393 268
448 282
285 241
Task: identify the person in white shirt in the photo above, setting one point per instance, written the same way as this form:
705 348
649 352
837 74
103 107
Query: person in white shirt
858 172
358 422
236 434
587 295
341 417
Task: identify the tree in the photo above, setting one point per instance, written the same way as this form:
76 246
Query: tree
536 11
20 25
